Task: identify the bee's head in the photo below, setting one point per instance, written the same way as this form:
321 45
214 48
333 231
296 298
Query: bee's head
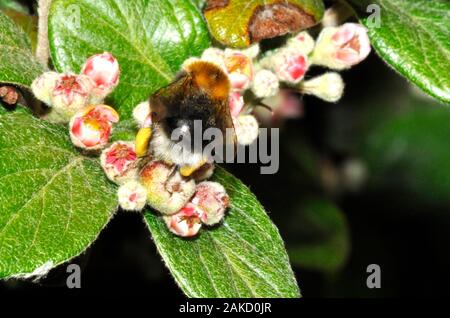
158 110
210 78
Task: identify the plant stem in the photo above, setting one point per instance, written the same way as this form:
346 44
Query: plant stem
42 49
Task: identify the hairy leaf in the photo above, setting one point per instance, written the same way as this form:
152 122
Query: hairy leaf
199 3
125 130
53 202
243 257
28 23
13 5
239 23
413 37
150 38
18 66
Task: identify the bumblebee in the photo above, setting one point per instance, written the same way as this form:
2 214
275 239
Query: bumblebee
199 94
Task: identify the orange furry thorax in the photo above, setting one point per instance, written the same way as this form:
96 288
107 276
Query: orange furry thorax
210 78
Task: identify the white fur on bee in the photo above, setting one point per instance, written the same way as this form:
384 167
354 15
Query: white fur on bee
163 148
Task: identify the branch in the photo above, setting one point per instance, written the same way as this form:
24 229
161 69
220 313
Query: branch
42 49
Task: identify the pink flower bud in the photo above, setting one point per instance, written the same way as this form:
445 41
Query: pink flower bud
44 85
120 162
239 68
236 101
132 196
90 128
342 47
290 65
329 87
212 198
265 84
167 190
185 223
247 129
287 104
104 71
71 94
302 42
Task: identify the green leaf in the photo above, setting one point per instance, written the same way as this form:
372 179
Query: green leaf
125 130
413 38
150 38
410 152
13 5
239 23
322 235
28 23
18 66
53 202
243 257
199 3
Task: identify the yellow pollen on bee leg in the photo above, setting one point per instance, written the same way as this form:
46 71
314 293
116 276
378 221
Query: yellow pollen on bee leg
187 171
142 140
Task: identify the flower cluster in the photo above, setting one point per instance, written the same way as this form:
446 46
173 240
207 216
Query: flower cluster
187 201
184 204
276 76
78 99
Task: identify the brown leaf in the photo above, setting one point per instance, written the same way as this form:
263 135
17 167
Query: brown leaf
239 23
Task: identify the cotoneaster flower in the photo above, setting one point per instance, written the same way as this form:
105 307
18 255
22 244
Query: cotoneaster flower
120 162
236 101
239 68
70 94
103 69
91 127
132 196
187 222
167 190
342 47
212 198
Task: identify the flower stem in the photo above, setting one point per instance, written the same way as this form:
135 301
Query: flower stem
42 49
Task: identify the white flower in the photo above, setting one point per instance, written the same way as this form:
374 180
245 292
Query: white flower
265 84
329 87
132 196
44 85
247 129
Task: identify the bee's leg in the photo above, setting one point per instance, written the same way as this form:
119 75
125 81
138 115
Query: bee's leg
172 172
188 170
142 140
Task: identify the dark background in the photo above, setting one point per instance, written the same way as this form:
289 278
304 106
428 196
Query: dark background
394 214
